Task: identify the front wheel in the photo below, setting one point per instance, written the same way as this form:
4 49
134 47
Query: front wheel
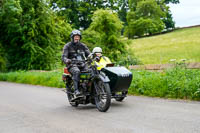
102 95
70 95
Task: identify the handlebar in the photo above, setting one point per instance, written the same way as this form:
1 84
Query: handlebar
89 59
77 60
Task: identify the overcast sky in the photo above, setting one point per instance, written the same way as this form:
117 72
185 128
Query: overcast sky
186 13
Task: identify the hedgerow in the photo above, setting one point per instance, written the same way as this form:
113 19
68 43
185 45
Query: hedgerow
174 83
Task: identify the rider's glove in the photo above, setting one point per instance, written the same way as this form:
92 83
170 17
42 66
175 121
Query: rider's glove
68 61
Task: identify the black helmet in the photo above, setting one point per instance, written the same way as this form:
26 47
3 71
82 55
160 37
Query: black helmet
75 32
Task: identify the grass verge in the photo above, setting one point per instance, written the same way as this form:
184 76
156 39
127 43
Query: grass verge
174 83
51 79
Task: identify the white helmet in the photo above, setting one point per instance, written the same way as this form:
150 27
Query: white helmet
97 50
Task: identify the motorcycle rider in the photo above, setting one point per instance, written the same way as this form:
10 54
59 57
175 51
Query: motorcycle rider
75 50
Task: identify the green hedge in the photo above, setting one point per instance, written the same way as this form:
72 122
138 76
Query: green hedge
174 83
51 79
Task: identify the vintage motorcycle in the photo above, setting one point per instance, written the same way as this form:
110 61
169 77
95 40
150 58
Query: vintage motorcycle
98 86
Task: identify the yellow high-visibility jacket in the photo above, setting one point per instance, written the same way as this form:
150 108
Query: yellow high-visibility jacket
102 63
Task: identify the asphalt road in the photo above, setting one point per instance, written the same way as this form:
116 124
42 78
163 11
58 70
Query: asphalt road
36 109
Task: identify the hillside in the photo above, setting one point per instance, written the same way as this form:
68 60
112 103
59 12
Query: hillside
179 44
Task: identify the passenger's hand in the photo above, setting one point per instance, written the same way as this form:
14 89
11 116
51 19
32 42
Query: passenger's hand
97 58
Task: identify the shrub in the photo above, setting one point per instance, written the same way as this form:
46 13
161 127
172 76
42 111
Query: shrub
173 83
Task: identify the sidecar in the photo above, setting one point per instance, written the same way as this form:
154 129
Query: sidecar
120 81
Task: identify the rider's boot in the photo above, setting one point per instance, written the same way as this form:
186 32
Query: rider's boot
77 93
76 90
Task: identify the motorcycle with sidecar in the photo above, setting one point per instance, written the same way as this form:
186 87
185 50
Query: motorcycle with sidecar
98 84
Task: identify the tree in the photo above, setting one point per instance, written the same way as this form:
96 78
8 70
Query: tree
31 34
144 19
107 26
168 20
79 12
122 12
2 59
171 1
133 4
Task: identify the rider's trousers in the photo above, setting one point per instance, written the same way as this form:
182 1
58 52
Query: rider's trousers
75 71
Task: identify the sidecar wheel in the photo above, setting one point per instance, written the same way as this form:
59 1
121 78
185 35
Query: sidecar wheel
121 96
119 99
74 104
102 96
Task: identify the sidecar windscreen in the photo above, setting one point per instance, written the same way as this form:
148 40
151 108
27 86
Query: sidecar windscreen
110 65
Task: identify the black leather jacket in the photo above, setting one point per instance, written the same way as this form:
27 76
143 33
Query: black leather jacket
74 51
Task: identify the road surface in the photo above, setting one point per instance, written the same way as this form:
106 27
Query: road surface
36 109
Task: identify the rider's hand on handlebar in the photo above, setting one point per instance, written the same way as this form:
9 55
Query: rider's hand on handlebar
68 61
90 55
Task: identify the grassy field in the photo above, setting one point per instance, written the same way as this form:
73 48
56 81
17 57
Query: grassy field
179 44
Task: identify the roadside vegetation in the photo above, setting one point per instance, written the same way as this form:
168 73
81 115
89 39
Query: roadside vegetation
33 34
173 83
50 79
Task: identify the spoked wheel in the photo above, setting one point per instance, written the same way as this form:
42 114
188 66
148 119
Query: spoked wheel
102 95
70 95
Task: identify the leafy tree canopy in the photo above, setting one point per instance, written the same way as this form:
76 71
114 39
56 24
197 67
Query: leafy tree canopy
79 12
31 34
145 19
107 26
172 1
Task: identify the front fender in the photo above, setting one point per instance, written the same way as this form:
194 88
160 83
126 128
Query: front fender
103 77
